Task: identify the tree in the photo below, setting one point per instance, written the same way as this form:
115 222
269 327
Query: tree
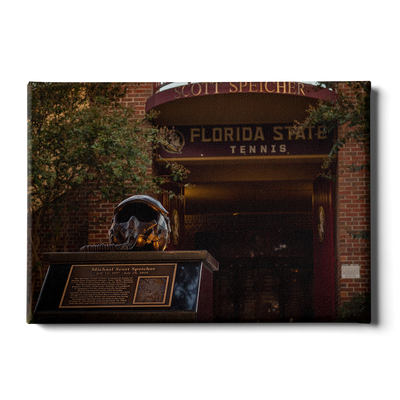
350 110
84 146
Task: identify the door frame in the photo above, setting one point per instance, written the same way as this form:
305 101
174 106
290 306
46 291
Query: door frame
324 248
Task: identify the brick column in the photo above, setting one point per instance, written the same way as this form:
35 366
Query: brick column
353 215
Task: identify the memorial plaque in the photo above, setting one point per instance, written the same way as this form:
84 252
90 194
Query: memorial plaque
127 287
350 271
119 285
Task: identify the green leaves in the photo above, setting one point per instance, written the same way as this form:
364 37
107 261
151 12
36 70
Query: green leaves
356 310
80 136
350 109
360 235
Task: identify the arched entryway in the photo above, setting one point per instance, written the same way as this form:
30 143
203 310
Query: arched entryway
250 199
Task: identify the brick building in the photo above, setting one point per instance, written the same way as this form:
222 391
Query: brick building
256 200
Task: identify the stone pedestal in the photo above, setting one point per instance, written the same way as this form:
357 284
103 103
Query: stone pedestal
103 287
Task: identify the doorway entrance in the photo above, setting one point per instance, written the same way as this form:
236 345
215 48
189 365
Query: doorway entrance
256 218
269 290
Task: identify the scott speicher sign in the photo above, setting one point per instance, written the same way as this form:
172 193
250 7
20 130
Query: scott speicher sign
246 140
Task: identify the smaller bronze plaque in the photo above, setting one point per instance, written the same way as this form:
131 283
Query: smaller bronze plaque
122 285
151 290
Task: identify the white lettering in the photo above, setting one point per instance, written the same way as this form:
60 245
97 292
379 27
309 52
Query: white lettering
262 149
300 134
203 136
215 137
228 133
247 134
291 132
277 132
193 133
321 133
259 134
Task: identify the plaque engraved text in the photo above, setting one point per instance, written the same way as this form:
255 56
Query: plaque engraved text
119 286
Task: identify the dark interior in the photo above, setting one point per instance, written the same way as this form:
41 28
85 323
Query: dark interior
142 211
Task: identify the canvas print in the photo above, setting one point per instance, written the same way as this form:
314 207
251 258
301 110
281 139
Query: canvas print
270 176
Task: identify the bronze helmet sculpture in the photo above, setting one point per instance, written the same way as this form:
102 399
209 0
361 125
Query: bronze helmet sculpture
140 223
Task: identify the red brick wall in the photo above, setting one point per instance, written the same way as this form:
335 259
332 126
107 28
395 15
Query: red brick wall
137 95
100 223
353 215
